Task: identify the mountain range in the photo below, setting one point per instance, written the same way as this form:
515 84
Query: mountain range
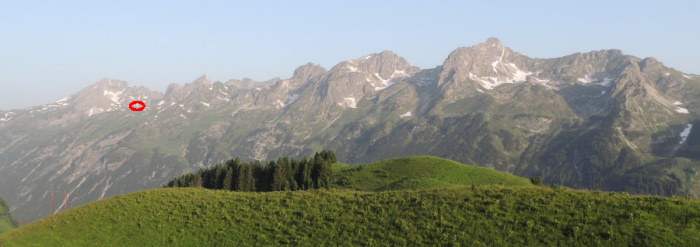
596 120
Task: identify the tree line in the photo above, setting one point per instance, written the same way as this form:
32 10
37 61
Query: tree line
283 174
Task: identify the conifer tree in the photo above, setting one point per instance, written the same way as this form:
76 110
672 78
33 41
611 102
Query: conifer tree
228 179
331 157
279 177
242 180
219 176
292 174
207 178
259 174
325 175
198 179
305 174
317 167
269 175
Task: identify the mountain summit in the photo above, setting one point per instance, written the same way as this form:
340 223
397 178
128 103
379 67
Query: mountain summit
597 120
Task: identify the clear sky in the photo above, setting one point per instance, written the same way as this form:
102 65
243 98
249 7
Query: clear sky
52 49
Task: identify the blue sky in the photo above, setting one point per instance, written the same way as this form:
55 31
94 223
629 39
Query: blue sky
51 49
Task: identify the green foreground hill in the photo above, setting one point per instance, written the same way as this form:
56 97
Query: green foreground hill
323 171
406 201
418 172
7 222
466 215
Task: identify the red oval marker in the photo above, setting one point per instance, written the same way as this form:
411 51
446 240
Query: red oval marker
140 108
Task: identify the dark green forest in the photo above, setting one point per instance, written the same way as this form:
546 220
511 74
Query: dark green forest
281 175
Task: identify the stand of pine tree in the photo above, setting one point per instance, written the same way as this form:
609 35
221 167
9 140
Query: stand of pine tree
283 174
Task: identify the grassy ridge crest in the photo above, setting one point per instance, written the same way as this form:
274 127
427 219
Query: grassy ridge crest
479 215
418 172
7 222
418 200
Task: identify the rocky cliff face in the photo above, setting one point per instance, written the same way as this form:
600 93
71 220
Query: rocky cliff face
600 120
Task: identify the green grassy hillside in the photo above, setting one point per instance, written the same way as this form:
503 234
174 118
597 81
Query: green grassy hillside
7 222
472 216
418 173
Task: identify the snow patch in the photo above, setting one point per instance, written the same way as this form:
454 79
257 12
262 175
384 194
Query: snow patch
183 116
606 82
95 110
114 96
388 82
161 102
685 133
677 103
479 90
384 83
352 68
204 103
667 74
366 57
407 114
61 100
104 191
587 80
8 117
520 76
686 76
494 64
682 110
350 102
603 92
292 98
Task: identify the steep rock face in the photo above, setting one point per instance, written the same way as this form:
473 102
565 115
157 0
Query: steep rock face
600 120
308 71
109 95
483 67
351 81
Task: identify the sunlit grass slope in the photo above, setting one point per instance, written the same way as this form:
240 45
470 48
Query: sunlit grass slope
7 222
465 215
419 172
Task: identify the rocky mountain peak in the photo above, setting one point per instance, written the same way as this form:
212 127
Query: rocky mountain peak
385 65
488 64
204 79
480 58
493 42
172 88
307 71
109 95
103 87
650 64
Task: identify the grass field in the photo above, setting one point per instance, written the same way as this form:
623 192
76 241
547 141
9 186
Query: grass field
406 201
6 220
465 215
418 172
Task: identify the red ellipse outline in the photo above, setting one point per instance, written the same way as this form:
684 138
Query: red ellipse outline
131 105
